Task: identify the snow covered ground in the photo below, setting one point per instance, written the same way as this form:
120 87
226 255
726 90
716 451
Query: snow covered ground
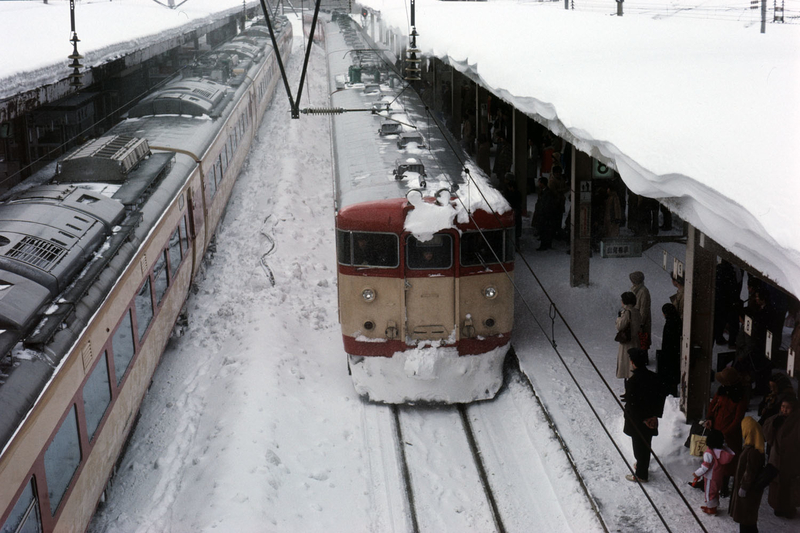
252 423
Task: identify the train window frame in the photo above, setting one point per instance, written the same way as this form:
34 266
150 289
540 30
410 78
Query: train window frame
160 270
500 248
90 413
117 355
22 514
412 263
211 183
352 249
143 296
175 243
55 473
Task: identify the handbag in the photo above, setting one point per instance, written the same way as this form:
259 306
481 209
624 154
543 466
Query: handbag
624 335
697 444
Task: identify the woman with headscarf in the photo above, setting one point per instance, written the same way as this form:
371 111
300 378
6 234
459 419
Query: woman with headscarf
746 499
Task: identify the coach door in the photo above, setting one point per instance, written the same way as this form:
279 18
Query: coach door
430 287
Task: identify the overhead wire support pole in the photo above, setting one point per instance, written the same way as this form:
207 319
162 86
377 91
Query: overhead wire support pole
293 104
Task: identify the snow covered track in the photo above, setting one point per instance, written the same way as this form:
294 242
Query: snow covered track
488 466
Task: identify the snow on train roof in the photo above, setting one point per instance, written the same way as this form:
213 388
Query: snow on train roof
364 168
704 112
107 30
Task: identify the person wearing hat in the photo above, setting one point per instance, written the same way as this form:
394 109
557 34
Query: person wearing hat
725 413
644 405
643 305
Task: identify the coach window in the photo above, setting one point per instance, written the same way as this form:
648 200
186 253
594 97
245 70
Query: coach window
184 236
175 253
211 184
122 346
144 308
436 253
24 517
96 395
62 458
375 249
482 248
160 278
224 158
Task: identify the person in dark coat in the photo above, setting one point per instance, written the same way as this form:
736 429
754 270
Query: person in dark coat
780 389
545 215
483 157
725 413
782 433
746 499
668 359
644 405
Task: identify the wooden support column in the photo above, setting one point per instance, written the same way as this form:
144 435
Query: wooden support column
580 218
698 325
482 112
520 151
455 89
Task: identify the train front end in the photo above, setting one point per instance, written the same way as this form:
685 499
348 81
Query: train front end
426 310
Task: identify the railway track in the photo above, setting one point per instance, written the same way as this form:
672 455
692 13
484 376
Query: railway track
489 466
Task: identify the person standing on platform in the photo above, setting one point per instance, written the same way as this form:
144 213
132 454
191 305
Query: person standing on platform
644 405
725 413
668 359
782 433
746 499
677 298
612 213
643 305
628 322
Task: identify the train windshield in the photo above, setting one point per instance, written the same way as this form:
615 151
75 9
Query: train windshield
436 253
487 247
366 249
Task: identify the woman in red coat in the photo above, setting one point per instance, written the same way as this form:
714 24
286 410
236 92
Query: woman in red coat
725 413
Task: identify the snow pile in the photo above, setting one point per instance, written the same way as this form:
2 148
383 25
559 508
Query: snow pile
429 217
702 114
429 374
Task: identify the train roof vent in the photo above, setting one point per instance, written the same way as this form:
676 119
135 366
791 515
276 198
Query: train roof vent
107 159
40 253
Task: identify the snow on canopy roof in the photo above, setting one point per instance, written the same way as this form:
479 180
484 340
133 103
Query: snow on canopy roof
36 34
702 114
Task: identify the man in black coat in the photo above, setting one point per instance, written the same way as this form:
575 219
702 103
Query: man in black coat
644 405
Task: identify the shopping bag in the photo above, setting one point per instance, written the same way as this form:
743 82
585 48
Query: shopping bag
697 444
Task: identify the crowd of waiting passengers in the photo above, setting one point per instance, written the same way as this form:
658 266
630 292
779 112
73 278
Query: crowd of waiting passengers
742 456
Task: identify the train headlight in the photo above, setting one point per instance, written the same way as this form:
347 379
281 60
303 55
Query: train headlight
368 295
490 292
